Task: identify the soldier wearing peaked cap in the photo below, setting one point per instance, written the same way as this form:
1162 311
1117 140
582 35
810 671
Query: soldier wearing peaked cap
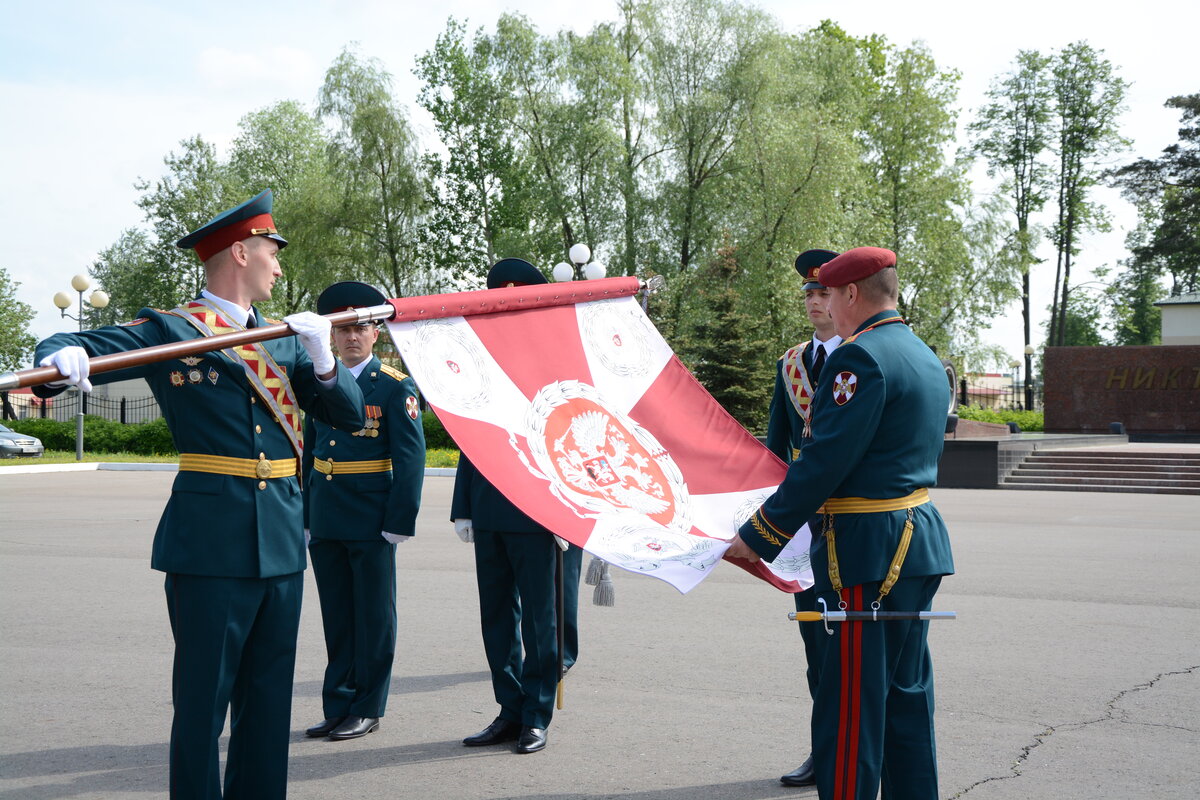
515 564
361 496
878 422
796 377
231 539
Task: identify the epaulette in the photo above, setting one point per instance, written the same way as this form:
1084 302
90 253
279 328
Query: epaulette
393 372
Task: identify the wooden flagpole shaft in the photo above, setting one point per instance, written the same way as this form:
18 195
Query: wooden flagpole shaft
189 347
867 616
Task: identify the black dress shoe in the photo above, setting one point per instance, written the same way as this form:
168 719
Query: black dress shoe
325 728
803 775
501 730
532 739
354 727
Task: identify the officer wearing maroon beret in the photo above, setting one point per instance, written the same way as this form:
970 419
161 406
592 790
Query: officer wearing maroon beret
878 422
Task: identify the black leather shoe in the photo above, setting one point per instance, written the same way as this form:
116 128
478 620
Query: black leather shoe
803 775
532 739
325 728
501 730
354 727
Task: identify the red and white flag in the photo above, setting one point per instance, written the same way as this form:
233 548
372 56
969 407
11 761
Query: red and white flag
581 415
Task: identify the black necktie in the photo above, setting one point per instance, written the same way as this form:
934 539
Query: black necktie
818 362
250 322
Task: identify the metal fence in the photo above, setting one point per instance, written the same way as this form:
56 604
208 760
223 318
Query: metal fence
65 406
999 396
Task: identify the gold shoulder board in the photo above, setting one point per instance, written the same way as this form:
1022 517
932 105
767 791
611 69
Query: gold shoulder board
392 371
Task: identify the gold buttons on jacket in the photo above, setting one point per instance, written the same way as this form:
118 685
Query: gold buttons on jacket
253 400
262 485
258 428
332 442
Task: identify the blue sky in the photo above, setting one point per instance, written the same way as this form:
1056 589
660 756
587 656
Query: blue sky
96 94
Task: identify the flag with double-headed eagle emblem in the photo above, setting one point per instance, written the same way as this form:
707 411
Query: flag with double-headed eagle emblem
583 417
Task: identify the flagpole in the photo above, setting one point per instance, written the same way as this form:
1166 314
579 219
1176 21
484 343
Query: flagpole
868 616
189 347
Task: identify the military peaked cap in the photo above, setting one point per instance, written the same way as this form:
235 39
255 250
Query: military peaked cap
251 218
513 272
349 294
808 264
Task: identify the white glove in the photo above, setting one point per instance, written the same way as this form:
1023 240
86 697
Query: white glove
307 537
71 361
313 330
464 530
394 538
562 543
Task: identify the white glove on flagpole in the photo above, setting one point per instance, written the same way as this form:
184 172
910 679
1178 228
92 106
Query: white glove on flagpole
313 330
71 361
464 530
394 538
562 543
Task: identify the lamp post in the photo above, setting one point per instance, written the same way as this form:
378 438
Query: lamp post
580 267
96 300
1028 377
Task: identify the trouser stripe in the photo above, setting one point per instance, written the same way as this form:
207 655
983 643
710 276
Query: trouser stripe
845 777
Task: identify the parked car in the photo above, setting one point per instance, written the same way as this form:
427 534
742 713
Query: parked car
18 444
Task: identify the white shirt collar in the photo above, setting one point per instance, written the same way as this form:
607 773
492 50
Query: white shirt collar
232 311
358 368
829 345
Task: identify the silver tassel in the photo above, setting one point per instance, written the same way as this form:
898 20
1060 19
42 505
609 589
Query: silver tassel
605 594
595 567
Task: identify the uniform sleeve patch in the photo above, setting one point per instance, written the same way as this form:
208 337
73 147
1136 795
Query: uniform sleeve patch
843 387
412 407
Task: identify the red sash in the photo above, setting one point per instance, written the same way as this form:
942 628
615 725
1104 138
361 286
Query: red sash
270 381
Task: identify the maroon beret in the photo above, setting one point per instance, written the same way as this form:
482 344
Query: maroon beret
854 265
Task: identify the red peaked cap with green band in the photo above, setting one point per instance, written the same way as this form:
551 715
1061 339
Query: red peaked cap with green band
854 265
251 218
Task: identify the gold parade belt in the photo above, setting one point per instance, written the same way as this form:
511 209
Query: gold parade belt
867 505
332 467
261 468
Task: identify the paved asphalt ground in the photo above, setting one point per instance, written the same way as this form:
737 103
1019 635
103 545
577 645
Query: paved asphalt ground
1073 670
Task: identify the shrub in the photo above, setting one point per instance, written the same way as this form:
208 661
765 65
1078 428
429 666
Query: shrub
436 437
1028 420
100 435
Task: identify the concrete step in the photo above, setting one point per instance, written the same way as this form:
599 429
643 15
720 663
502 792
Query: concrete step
1099 479
1114 458
1083 487
1087 467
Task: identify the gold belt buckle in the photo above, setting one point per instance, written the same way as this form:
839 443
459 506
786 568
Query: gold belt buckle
263 469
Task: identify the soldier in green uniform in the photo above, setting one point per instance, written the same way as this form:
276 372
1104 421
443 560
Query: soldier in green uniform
231 538
515 564
796 377
878 423
361 496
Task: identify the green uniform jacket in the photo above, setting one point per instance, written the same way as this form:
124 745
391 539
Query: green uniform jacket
360 505
878 427
476 499
222 525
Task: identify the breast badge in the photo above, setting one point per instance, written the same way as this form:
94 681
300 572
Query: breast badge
177 378
373 415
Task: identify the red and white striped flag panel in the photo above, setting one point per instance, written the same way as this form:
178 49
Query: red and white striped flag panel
583 417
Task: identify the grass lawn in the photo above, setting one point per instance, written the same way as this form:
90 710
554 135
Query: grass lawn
433 458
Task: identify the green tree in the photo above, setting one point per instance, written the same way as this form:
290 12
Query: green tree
1089 98
283 148
375 159
1082 327
730 367
195 189
1013 132
471 111
1167 193
127 271
16 340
